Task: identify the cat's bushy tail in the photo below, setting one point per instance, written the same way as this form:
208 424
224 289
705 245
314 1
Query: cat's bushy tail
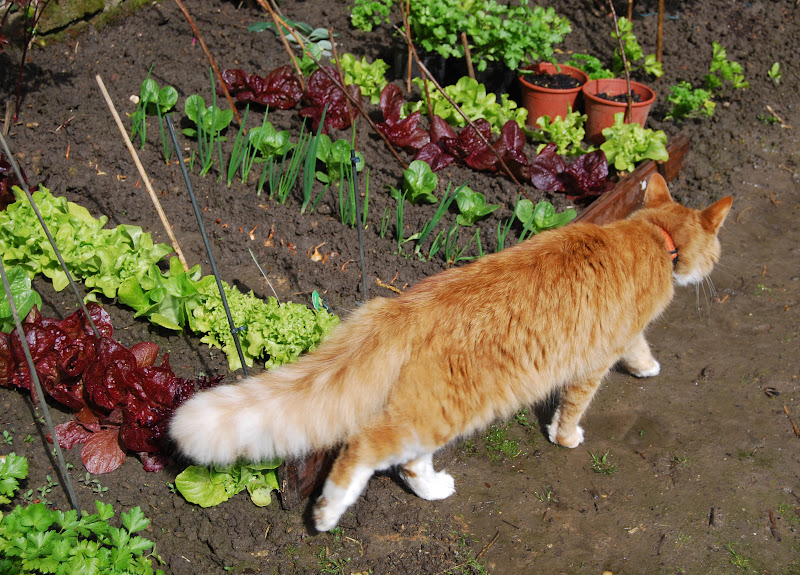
312 404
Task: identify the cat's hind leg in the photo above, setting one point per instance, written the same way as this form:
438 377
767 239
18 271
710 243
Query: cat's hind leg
639 360
426 482
575 398
378 446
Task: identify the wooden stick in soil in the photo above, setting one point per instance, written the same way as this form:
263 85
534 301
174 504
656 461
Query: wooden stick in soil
467 55
427 73
407 26
660 33
275 19
153 197
341 87
210 59
629 107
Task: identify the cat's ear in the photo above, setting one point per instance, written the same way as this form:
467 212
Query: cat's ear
713 216
656 192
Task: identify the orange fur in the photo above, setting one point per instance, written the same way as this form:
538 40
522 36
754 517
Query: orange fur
402 377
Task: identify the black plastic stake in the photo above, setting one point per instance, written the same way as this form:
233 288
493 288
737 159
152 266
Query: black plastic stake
27 191
62 465
359 224
234 330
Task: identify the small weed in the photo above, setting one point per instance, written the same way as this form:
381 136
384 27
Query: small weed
546 496
330 564
172 488
601 464
762 290
681 539
522 419
97 489
679 461
28 439
737 559
498 444
789 513
470 564
7 437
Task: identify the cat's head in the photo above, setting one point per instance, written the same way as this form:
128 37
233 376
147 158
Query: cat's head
693 232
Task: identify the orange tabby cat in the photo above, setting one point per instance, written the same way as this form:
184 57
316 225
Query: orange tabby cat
402 377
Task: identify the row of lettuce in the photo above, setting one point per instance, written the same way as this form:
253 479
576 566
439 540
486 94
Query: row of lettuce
123 263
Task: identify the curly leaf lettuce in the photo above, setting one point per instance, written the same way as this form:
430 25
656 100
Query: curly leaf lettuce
628 144
276 333
103 257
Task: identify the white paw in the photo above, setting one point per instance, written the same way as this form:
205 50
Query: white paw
654 370
440 486
325 518
572 440
431 486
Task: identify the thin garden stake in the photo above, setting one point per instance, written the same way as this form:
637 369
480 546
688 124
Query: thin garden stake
252 255
153 197
62 465
234 330
27 191
359 224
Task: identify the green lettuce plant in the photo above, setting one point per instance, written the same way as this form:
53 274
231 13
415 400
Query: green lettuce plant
472 206
541 217
567 133
210 486
370 77
419 184
473 99
25 298
628 144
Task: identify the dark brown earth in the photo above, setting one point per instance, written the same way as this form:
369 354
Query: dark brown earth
707 473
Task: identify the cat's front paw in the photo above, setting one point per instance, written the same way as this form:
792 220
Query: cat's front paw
560 437
650 371
325 518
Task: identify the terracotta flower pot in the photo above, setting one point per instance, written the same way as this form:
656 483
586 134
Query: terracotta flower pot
541 101
600 112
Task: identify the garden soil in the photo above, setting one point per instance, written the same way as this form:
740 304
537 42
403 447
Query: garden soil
706 456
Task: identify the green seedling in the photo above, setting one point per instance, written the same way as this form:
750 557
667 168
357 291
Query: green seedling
419 183
472 206
601 464
541 217
774 73
153 101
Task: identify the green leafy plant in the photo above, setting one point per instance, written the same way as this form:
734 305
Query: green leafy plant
628 144
283 177
724 72
336 157
243 154
430 225
25 298
13 468
633 52
210 486
473 99
103 257
541 217
370 77
566 133
35 539
774 73
591 65
316 40
419 183
472 206
688 102
153 101
210 121
510 34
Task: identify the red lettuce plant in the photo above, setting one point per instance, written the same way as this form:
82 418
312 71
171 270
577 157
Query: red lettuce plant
402 132
583 180
122 398
281 88
321 94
